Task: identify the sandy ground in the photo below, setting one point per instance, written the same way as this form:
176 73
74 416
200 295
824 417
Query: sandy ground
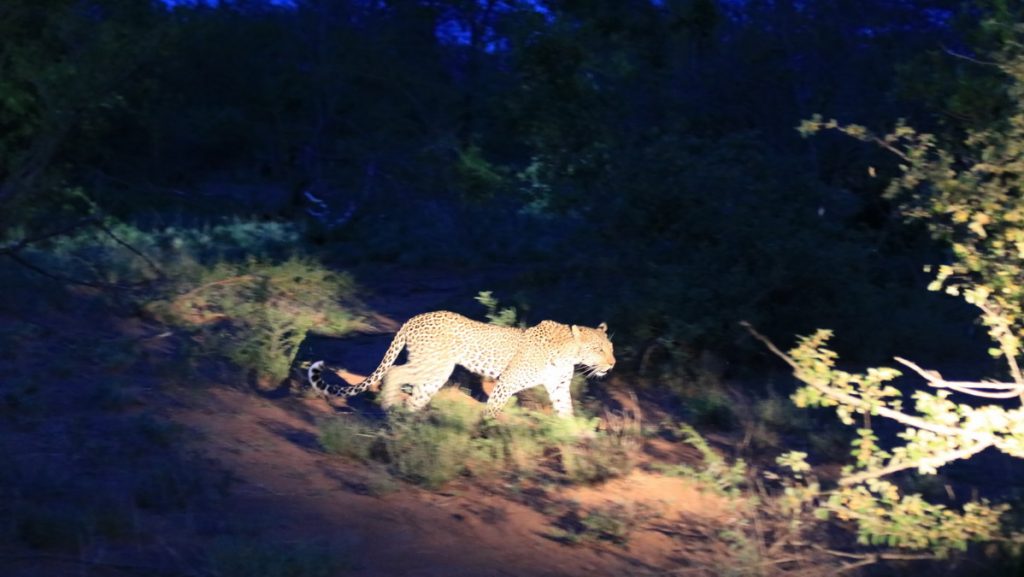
285 490
287 485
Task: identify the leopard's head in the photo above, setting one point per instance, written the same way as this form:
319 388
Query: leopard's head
595 349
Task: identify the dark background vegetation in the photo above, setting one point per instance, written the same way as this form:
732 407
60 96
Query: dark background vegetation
631 162
636 160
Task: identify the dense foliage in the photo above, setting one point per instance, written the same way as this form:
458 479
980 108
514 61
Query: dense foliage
646 149
239 290
970 199
196 164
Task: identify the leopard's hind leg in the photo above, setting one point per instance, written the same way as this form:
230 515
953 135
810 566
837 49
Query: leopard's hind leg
428 383
425 379
391 389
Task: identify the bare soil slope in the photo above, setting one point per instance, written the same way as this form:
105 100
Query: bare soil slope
289 487
128 469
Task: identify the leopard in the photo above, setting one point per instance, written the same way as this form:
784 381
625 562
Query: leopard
518 358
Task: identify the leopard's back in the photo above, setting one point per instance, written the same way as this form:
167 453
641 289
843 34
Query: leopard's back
444 337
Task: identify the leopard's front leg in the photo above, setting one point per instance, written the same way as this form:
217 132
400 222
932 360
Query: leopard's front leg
561 395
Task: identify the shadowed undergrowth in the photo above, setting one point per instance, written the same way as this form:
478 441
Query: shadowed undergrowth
455 440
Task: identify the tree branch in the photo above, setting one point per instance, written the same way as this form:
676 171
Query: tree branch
934 462
771 346
902 155
970 59
64 279
1007 390
21 244
877 556
159 271
871 560
863 405
1011 358
11 251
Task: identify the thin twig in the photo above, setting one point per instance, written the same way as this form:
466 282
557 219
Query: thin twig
783 560
1008 390
878 556
934 462
12 250
1011 359
970 59
23 243
159 271
862 563
771 346
63 279
903 156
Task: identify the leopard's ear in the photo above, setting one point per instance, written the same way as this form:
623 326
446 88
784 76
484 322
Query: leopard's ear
575 332
603 327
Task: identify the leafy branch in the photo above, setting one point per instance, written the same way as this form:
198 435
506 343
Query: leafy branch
937 432
978 389
821 381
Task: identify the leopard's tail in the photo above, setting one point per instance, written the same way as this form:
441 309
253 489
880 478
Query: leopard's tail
316 379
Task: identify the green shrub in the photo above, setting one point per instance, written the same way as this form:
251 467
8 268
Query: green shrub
241 289
497 315
427 453
248 558
612 453
349 436
516 445
257 313
716 474
68 525
780 413
153 433
177 256
704 398
613 524
712 407
433 447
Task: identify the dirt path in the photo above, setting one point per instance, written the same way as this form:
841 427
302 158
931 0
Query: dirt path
287 487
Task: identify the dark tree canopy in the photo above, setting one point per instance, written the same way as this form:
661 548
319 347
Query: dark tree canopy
648 140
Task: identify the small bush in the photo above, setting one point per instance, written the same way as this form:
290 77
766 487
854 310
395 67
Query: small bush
613 524
712 408
349 436
431 449
66 526
245 558
602 457
704 399
516 445
257 313
497 315
716 474
453 439
240 289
